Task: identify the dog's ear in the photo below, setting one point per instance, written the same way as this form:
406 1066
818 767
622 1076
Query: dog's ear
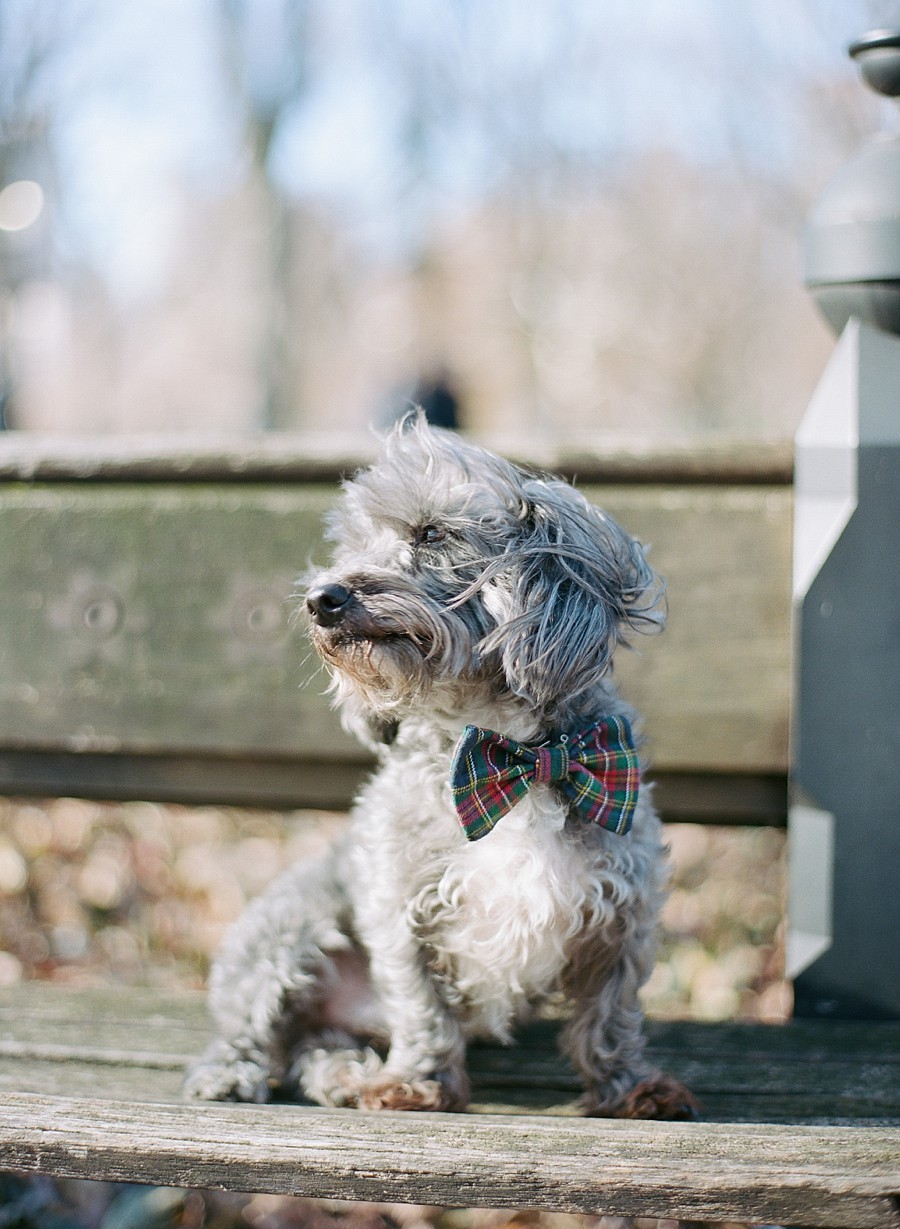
569 591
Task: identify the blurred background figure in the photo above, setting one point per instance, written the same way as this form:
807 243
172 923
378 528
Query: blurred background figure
437 399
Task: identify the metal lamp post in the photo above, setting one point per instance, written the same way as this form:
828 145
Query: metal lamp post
844 935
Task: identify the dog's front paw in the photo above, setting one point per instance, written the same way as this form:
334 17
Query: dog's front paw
392 1092
223 1074
657 1096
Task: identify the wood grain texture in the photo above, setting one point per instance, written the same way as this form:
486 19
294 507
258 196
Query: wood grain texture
326 456
158 620
803 1071
714 687
90 1087
201 778
704 798
789 1175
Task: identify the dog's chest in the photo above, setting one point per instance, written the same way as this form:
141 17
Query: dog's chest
496 916
507 909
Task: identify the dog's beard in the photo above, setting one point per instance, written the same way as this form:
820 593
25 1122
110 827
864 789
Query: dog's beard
393 648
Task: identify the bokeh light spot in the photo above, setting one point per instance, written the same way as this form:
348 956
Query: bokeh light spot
21 204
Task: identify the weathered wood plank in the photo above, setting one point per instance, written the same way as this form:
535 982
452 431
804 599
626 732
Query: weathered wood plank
90 1087
726 1090
137 1045
704 798
258 781
173 1022
157 1084
325 456
147 619
810 1040
98 1082
44 1013
788 1175
721 798
38 1010
714 687
158 621
102 1082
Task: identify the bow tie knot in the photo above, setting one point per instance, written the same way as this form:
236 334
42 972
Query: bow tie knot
597 771
552 764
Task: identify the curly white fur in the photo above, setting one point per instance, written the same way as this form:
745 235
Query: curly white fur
463 590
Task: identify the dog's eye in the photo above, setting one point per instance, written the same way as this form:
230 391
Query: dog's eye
429 535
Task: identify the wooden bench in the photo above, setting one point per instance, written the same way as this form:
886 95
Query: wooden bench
147 650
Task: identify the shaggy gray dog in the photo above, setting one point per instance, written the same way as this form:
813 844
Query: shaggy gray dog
468 599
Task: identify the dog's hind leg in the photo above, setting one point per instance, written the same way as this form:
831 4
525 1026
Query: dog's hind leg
270 982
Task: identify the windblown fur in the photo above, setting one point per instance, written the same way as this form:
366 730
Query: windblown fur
463 590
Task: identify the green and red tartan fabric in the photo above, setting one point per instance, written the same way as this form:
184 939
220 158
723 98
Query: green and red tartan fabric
597 770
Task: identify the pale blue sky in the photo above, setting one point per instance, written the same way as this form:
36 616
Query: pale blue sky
144 111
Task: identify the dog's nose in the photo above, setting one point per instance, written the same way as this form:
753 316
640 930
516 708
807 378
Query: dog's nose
328 604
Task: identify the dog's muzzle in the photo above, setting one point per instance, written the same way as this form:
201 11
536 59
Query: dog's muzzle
328 604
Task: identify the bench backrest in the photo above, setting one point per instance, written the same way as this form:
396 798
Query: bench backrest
149 644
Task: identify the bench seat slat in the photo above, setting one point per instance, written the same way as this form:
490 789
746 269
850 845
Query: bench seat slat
799 1175
150 1016
728 1091
803 1071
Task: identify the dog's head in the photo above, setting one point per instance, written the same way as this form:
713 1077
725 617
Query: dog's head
454 567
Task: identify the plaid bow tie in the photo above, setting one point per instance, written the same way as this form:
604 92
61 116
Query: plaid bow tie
598 771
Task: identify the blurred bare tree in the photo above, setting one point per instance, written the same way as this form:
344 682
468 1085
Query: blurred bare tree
266 48
33 42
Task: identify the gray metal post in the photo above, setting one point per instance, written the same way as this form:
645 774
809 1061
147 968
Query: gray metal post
844 906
